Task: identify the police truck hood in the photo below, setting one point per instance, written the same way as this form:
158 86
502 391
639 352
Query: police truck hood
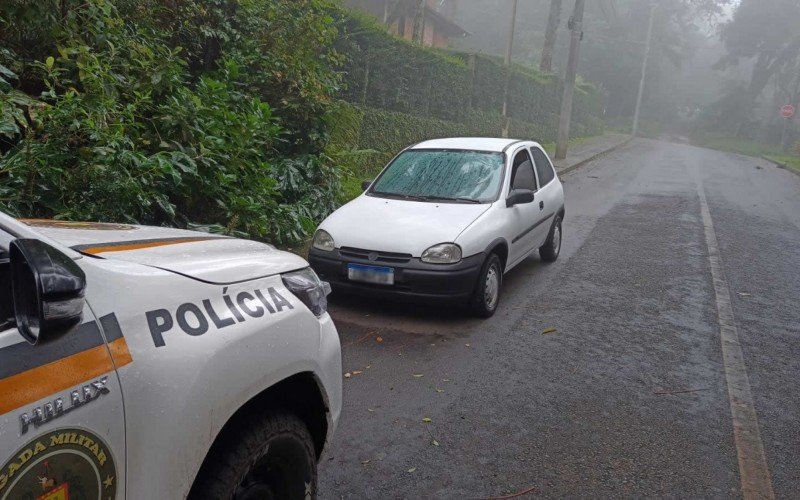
202 256
403 226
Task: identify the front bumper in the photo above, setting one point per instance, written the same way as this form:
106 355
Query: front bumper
414 279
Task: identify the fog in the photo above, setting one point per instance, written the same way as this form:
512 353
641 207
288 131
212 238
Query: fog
715 66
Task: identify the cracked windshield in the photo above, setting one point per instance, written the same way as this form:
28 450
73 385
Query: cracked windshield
412 249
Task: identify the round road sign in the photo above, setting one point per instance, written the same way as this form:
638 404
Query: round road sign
787 111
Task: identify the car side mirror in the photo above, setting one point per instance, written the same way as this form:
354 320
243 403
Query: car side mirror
48 290
365 185
519 197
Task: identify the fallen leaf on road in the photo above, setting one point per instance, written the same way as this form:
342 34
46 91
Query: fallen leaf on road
744 294
418 375
370 409
467 345
379 339
411 470
357 372
439 390
435 442
364 462
445 380
347 375
426 420
549 330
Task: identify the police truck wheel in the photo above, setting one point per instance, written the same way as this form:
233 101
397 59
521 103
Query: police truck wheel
487 292
552 247
265 458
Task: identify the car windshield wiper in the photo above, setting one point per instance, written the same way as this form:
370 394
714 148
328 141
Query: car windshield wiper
450 198
401 196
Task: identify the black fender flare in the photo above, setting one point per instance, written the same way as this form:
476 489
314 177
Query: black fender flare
496 243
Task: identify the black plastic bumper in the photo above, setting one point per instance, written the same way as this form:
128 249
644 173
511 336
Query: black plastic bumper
413 280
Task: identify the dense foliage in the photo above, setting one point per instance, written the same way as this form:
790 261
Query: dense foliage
193 115
384 72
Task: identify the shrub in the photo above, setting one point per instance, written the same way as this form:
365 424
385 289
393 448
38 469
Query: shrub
128 130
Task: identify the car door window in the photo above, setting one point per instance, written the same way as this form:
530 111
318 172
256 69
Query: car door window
523 177
544 169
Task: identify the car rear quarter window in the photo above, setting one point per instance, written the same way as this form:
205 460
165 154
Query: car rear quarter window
523 177
544 169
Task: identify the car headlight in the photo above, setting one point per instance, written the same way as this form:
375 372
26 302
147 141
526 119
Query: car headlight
444 253
306 286
323 241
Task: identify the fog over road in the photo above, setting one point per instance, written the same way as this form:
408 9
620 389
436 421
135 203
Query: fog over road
628 396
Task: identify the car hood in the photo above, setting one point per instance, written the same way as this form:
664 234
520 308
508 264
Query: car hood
202 256
399 226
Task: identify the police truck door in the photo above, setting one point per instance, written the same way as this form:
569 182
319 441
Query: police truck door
61 414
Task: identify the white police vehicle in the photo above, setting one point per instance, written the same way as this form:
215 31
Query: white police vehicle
141 362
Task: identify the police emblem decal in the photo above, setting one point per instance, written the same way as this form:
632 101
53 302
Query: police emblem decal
59 465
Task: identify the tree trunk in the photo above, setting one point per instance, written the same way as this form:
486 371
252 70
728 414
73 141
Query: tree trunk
546 63
419 22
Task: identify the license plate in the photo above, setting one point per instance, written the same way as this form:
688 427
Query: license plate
370 274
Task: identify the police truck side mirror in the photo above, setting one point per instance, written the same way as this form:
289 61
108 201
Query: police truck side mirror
47 289
365 185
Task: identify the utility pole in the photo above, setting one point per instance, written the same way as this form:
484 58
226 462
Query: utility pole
576 26
509 48
638 110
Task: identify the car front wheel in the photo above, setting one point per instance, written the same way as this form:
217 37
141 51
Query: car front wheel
487 292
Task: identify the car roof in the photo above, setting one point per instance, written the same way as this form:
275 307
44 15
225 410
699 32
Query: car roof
470 143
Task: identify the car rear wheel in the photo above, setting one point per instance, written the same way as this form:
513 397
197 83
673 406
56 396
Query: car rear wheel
552 246
268 458
487 292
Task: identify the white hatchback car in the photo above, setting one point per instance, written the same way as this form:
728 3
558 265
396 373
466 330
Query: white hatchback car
444 221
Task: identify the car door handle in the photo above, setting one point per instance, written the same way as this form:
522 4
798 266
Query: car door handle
541 205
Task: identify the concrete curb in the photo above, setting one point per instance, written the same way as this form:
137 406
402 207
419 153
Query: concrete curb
780 165
583 162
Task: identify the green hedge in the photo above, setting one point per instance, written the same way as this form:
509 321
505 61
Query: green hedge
364 139
385 72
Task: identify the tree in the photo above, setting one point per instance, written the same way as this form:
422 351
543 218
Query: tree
764 30
419 22
546 62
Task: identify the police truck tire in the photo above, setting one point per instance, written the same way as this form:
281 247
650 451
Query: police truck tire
486 296
270 457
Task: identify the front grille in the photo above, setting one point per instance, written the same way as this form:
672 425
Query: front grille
388 257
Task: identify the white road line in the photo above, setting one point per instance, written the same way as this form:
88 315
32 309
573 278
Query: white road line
753 469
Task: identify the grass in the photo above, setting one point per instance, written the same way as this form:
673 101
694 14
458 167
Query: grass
740 146
792 162
752 148
550 147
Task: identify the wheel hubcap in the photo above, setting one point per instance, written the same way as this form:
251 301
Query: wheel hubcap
557 239
492 289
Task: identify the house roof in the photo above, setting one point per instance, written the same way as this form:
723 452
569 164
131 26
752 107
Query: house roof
449 27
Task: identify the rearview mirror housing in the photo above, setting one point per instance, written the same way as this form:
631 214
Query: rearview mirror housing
48 289
365 185
519 197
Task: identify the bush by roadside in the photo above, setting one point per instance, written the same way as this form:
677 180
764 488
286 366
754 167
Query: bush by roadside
364 140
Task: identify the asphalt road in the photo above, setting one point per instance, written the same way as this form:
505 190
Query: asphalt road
628 397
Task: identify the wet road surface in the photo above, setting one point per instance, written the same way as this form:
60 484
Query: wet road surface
630 395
